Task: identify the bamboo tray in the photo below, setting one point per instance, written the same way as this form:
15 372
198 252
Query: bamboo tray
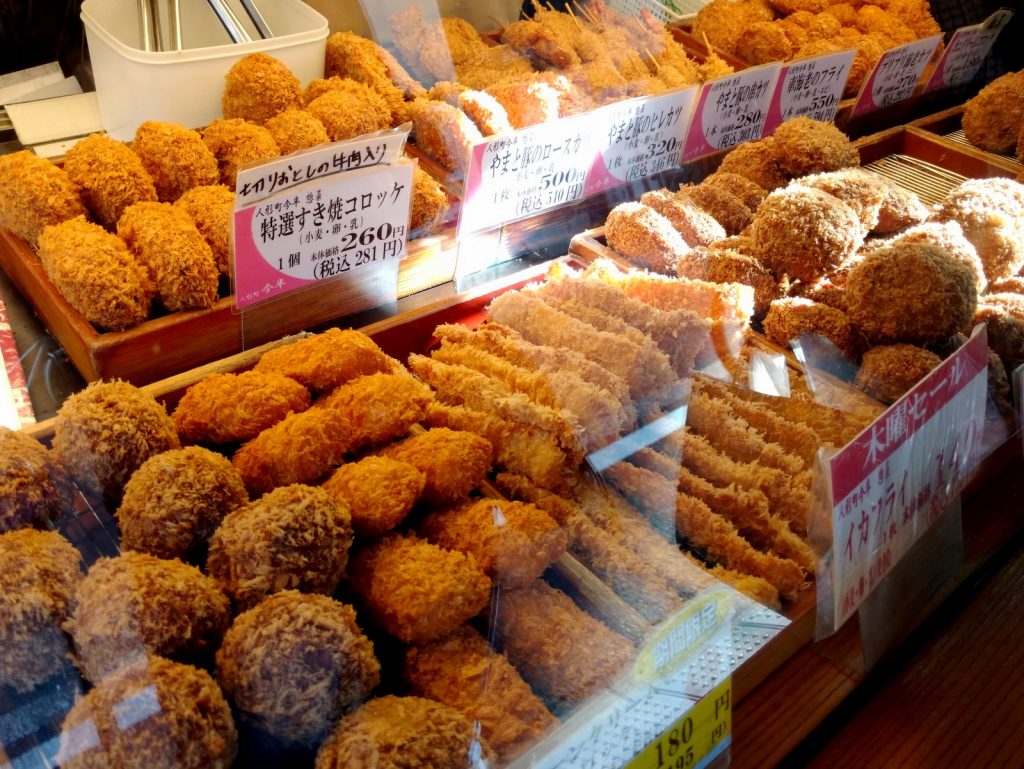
947 125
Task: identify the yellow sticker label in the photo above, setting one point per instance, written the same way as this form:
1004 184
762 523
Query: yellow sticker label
696 739
681 635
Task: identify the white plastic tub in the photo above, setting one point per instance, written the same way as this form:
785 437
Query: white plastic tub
185 86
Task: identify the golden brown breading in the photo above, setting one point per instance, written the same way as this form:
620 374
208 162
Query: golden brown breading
180 262
175 501
989 213
417 591
765 41
444 133
378 492
34 489
696 226
362 60
1014 285
294 663
485 111
950 237
757 161
722 21
874 20
429 202
39 571
175 157
235 142
379 407
901 208
649 492
321 85
453 461
790 318
294 537
104 433
861 190
296 129
993 117
258 87
492 65
109 176
890 370
1005 332
211 208
728 209
723 265
325 361
349 109
759 589
645 236
749 193
34 193
538 41
136 605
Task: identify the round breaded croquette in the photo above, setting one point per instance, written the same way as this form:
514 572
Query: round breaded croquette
644 236
901 208
764 41
350 109
34 489
415 590
792 317
696 225
361 59
296 129
804 232
211 209
175 157
805 146
180 262
236 142
176 500
258 87
321 85
396 732
325 361
949 237
1012 285
989 213
728 210
750 193
294 537
379 407
429 202
722 21
39 572
890 370
233 408
109 176
455 462
724 265
294 663
104 433
757 161
34 193
135 604
861 190
910 292
157 714
871 19
379 492
1005 332
992 119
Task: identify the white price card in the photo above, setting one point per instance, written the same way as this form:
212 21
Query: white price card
731 110
811 88
639 137
892 482
966 51
896 75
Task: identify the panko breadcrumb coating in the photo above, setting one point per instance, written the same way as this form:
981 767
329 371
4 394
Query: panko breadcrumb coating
890 370
743 188
258 87
235 143
910 292
211 208
34 193
900 209
399 732
485 111
363 60
696 225
349 109
861 190
989 213
175 157
722 21
1005 332
175 501
34 489
109 176
1014 285
765 41
993 118
526 101
417 591
379 407
39 572
724 265
104 433
429 202
324 361
230 408
444 132
321 85
805 146
295 537
179 260
757 161
379 492
136 604
296 129
454 462
789 318
644 236
294 663
157 714
727 209
949 237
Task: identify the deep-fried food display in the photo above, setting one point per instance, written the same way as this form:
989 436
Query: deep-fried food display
350 109
900 209
485 111
105 432
723 265
644 236
1005 332
417 591
750 193
759 589
538 41
363 60
34 489
378 492
325 361
988 212
765 41
258 87
294 537
39 572
296 129
723 21
889 370
993 117
34 193
136 605
949 237
175 157
429 202
236 142
861 190
379 407
210 208
454 462
696 226
175 501
491 65
792 317
187 722
756 161
109 176
294 663
727 208
443 132
526 100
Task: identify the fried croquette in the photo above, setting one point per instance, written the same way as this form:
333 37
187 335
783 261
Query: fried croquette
444 132
362 60
156 714
429 202
259 87
379 492
790 318
1005 332
39 572
757 161
109 176
804 146
325 361
989 213
321 85
294 663
349 109
750 193
696 226
803 232
415 590
721 22
34 489
890 370
727 209
180 262
210 208
454 462
723 265
104 433
235 143
462 671
398 732
910 292
861 190
296 129
949 237
176 500
34 193
136 605
379 407
765 41
295 537
644 236
175 157
992 119
901 208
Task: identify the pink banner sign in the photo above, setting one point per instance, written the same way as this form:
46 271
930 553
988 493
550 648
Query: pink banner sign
811 87
896 75
966 52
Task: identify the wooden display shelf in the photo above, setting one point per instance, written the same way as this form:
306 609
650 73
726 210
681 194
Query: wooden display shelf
947 127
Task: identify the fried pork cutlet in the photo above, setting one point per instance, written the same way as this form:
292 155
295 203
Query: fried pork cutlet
454 462
378 407
325 361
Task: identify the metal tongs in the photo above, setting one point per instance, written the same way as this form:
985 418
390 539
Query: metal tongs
151 31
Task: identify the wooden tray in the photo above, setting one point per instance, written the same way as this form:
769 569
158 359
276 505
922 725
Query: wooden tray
947 126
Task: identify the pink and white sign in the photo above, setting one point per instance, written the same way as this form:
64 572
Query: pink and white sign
896 75
966 52
811 87
731 110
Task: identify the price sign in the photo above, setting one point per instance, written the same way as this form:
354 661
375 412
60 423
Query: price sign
896 75
812 87
639 137
731 110
966 52
894 480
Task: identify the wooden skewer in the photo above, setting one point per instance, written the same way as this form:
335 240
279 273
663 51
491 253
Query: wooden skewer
654 61
501 24
707 45
573 17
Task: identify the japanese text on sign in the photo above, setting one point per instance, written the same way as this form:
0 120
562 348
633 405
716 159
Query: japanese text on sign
811 88
731 110
967 50
896 75
893 481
